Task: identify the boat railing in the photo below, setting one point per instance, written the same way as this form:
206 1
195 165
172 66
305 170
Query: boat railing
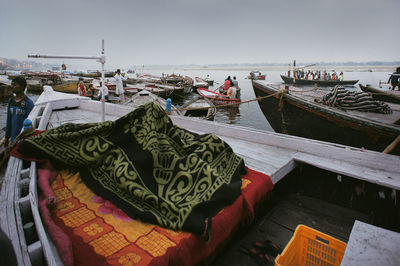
21 220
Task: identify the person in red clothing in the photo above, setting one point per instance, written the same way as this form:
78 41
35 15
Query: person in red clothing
81 89
227 84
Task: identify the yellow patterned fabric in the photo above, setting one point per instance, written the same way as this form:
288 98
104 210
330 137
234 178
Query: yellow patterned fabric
148 167
114 238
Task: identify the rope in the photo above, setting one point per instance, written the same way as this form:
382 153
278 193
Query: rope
280 92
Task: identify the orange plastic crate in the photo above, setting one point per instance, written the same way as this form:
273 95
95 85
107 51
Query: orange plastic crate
311 247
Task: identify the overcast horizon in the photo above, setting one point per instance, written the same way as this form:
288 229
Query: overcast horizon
188 32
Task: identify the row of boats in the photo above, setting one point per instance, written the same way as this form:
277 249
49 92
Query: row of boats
335 170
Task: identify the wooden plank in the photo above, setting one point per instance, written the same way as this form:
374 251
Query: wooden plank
9 201
265 230
380 177
319 148
371 245
51 257
45 117
18 220
290 216
283 171
327 209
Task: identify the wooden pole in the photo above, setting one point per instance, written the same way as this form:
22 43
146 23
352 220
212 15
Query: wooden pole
392 145
294 73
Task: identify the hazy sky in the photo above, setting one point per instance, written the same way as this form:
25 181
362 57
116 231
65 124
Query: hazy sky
173 32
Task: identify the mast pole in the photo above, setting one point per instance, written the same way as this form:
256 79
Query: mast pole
101 59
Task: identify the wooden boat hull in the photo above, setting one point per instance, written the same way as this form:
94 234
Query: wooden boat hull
144 97
382 95
5 91
289 80
207 114
68 87
305 119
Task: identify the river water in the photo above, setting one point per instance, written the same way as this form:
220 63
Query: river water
249 114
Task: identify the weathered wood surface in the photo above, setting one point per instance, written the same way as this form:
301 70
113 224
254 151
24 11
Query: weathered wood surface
311 95
372 162
371 245
279 224
385 178
48 248
8 200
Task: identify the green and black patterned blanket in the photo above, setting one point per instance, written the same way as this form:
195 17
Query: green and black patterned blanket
148 167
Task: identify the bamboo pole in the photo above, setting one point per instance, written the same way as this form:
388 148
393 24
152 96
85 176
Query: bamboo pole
392 145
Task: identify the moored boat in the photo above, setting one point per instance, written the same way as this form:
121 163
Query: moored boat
71 87
145 96
254 76
199 107
217 98
300 81
299 114
200 83
286 162
391 96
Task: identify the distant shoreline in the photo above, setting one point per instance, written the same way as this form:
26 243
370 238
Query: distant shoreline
345 68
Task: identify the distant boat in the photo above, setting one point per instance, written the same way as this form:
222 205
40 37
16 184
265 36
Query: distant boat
207 112
391 96
217 98
299 81
298 114
200 83
256 77
210 82
144 96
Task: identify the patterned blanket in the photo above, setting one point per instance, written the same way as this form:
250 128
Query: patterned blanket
353 100
89 230
148 167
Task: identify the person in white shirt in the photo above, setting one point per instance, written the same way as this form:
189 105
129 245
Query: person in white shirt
119 89
232 92
105 89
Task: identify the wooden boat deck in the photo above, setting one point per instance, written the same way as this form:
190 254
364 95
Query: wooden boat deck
280 222
311 95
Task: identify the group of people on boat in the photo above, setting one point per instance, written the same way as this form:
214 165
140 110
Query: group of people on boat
90 91
231 88
316 75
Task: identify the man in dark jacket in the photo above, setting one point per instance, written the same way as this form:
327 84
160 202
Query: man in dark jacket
394 79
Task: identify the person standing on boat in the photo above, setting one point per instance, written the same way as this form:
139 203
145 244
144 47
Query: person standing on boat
119 89
394 79
105 89
236 84
81 89
19 107
232 92
227 84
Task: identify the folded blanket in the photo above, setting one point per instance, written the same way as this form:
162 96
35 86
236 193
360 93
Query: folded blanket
353 100
147 167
